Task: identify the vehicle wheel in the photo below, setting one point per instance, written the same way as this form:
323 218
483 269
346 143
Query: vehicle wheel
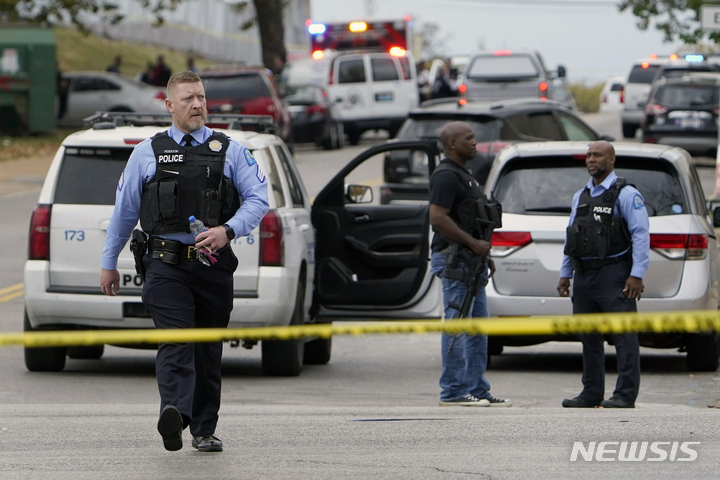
86 352
318 351
353 137
329 141
629 130
494 347
703 353
284 358
340 135
43 359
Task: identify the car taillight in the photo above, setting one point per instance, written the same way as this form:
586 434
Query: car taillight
39 244
622 96
655 109
462 88
160 95
505 243
312 109
271 241
680 246
330 75
543 87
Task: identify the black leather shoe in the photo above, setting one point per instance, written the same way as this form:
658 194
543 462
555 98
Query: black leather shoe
170 426
207 443
616 403
578 402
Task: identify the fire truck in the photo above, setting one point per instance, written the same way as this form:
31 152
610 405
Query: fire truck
367 69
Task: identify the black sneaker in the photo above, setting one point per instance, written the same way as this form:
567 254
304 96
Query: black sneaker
498 402
170 426
465 401
207 443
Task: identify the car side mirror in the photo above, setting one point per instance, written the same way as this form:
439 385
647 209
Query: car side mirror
607 138
561 71
358 193
716 217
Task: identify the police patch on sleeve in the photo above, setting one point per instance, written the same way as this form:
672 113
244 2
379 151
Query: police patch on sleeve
260 174
121 182
250 159
638 202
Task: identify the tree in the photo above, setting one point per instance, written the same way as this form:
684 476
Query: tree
268 16
677 19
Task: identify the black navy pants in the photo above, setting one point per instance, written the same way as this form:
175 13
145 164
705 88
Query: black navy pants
190 295
597 291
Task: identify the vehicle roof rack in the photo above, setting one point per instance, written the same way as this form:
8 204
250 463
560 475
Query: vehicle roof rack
110 120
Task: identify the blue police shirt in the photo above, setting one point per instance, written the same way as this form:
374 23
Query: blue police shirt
244 171
632 209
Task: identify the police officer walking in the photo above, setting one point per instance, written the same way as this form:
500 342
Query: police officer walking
161 186
607 246
455 197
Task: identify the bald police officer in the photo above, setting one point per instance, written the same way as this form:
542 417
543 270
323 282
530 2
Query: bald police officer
607 246
161 187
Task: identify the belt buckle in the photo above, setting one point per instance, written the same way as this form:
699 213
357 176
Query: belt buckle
192 253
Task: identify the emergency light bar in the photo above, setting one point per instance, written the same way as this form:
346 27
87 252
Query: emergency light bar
389 36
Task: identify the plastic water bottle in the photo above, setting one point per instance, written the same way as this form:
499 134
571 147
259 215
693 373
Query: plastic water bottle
205 254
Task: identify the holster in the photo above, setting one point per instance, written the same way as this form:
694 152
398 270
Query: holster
138 247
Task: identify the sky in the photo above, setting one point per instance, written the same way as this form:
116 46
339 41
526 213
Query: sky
591 38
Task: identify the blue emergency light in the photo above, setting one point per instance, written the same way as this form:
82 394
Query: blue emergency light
694 58
316 28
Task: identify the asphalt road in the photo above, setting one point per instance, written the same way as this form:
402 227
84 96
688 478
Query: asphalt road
370 413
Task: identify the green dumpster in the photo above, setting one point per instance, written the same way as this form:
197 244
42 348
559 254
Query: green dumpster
27 79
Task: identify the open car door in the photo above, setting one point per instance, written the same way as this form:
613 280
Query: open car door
372 260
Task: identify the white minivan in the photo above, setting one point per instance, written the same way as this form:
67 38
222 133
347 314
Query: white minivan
373 90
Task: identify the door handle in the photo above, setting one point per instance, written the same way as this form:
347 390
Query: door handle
362 219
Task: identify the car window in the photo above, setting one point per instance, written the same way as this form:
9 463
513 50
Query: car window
405 65
546 185
305 95
292 179
574 129
685 95
351 71
90 176
383 69
534 125
239 87
271 172
502 66
486 129
90 84
638 74
617 87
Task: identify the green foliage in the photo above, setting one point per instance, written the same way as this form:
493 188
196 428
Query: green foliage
677 19
587 97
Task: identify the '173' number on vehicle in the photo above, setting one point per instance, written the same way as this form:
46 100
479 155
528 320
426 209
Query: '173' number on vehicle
74 235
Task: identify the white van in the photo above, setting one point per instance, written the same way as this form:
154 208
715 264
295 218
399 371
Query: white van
637 89
373 90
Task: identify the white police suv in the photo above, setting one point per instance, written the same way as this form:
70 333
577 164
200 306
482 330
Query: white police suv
370 261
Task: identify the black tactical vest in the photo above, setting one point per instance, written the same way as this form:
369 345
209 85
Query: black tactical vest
188 181
596 231
472 208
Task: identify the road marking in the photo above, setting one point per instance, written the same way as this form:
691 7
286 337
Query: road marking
11 288
10 296
11 292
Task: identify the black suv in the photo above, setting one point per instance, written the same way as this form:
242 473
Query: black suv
496 124
683 112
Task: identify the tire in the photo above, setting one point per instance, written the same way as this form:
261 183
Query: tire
86 352
329 141
629 130
703 353
284 358
43 359
340 135
318 351
353 137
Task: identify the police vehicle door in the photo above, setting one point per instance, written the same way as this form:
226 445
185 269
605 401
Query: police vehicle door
372 259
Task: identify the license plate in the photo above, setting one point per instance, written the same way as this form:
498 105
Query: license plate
691 123
384 97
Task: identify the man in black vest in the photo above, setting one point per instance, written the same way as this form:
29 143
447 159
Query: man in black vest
161 186
607 246
454 194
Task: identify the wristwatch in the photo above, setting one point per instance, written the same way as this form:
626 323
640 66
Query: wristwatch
229 231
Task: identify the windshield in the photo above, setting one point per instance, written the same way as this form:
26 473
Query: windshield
638 74
545 186
305 95
687 95
502 66
240 87
486 129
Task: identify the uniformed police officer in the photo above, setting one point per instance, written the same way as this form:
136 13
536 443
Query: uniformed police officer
161 186
453 196
607 246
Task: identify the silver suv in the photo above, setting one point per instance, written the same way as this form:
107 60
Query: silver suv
535 183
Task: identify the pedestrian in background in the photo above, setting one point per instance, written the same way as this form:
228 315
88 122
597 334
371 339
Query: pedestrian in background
607 246
179 291
191 64
454 193
161 73
115 66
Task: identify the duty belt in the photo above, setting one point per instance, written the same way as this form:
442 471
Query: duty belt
173 252
584 266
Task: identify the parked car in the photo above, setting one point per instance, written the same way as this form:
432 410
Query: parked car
91 92
504 74
315 117
683 112
535 183
678 68
247 91
637 87
612 95
352 259
495 124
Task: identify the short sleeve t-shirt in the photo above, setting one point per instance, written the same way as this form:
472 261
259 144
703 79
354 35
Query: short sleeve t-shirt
446 190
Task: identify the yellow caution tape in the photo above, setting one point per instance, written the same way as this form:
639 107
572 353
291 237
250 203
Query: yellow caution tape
704 320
